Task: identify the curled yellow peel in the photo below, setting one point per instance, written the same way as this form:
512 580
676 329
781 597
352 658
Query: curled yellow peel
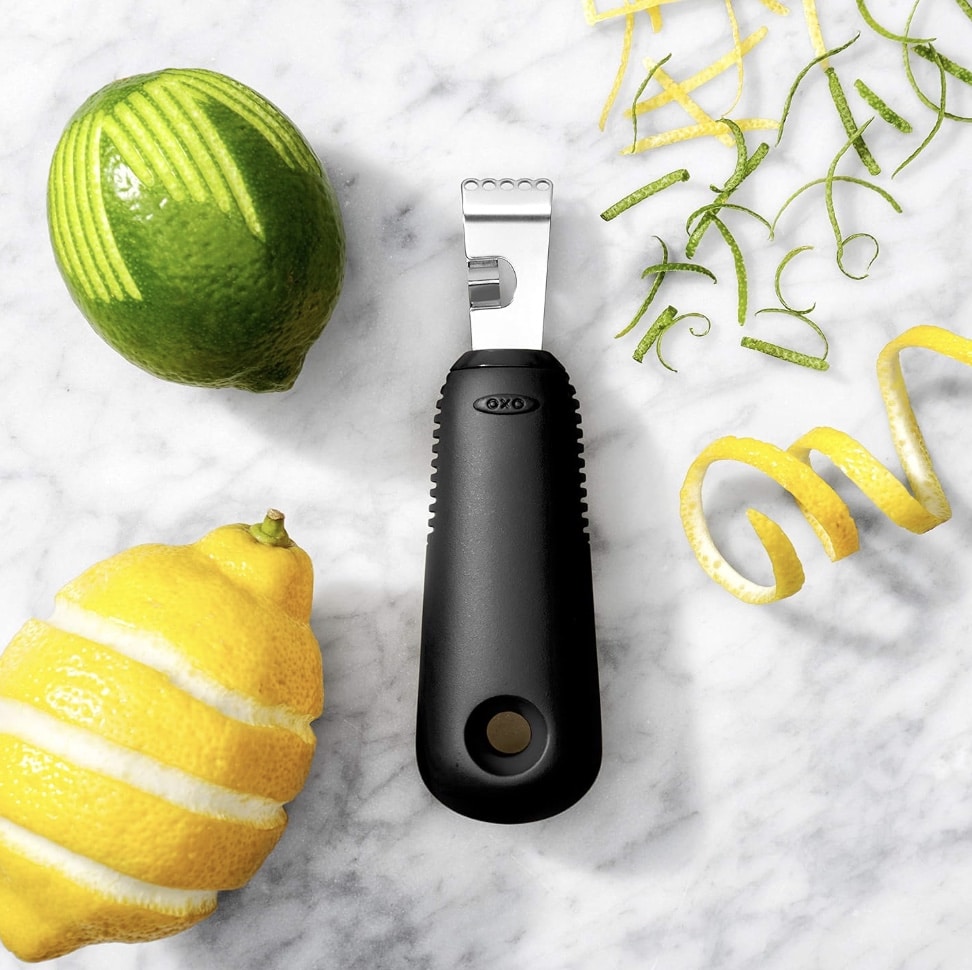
917 510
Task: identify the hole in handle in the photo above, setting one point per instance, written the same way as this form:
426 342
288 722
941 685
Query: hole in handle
506 735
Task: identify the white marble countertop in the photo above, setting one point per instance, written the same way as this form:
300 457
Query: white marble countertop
782 787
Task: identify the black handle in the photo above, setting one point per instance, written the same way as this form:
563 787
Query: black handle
509 726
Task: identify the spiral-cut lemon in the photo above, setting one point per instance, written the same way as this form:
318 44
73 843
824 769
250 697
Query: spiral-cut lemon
150 732
917 510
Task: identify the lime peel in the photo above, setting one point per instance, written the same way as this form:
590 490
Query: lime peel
918 510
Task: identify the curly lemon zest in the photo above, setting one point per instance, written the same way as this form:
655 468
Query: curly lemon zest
919 507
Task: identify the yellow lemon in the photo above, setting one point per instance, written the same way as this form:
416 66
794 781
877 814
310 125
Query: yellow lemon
150 733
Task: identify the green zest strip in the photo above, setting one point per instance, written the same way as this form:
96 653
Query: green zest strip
663 323
939 120
850 125
638 94
639 195
828 182
906 52
887 34
884 110
784 114
777 285
786 353
660 271
956 70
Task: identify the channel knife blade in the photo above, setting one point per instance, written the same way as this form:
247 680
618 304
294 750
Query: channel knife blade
508 722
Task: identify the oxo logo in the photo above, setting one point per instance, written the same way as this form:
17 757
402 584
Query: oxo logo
506 404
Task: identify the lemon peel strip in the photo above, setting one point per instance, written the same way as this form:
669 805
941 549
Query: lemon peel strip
824 509
87 750
157 653
622 70
716 128
918 511
101 878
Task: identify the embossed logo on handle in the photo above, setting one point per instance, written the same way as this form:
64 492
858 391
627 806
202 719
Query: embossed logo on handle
506 404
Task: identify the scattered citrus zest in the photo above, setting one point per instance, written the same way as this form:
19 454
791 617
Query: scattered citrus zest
939 117
702 77
919 507
639 195
659 271
663 323
828 182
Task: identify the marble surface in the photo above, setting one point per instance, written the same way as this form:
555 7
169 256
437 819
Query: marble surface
783 787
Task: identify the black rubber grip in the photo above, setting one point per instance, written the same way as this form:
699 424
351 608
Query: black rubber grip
508 726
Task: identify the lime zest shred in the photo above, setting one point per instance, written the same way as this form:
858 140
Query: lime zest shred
633 113
815 362
784 353
659 271
828 181
818 59
884 32
745 165
928 52
663 323
883 109
778 286
639 195
906 55
850 125
939 117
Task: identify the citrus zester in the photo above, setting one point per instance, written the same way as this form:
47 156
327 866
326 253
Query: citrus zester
196 229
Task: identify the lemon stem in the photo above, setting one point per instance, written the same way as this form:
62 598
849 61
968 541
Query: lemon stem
271 531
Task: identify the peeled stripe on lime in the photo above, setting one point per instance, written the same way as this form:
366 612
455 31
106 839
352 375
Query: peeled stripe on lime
196 229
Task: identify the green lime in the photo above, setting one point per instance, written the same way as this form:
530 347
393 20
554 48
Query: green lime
196 229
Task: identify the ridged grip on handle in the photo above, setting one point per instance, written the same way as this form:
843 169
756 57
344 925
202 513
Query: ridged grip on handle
509 726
